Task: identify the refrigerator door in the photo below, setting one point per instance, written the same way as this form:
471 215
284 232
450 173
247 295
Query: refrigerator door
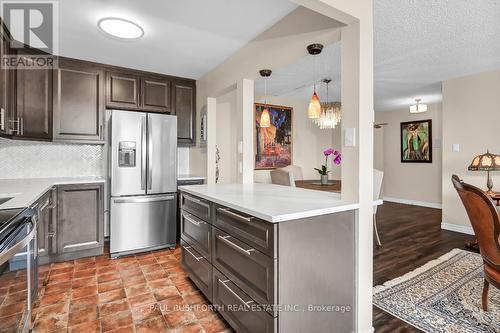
142 223
162 154
128 153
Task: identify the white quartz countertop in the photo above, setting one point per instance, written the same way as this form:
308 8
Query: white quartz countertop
25 192
189 177
273 203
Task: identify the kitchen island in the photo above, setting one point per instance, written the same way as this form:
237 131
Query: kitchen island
272 258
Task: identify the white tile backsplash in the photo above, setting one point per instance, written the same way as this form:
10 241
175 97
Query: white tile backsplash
29 159
183 161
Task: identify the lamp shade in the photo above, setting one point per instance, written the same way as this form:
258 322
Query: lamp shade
314 110
265 119
485 162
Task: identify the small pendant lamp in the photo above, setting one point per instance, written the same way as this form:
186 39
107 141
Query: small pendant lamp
314 109
265 118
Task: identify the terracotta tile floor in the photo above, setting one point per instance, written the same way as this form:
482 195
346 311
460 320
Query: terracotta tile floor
144 293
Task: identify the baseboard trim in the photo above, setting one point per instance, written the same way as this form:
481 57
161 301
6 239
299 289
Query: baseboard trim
457 228
414 202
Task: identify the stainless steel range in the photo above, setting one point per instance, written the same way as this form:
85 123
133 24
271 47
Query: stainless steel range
143 182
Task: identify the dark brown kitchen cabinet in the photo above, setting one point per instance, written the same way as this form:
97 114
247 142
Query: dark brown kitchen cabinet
78 102
122 91
33 103
6 86
46 226
185 109
80 219
155 94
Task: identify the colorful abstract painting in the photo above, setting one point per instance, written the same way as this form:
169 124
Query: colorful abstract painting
416 141
273 144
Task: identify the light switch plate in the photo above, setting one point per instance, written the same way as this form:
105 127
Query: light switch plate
456 147
350 137
240 147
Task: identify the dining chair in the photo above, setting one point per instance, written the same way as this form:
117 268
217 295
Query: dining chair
295 170
281 177
378 176
486 224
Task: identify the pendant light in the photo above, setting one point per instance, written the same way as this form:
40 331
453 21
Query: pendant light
331 112
314 110
265 118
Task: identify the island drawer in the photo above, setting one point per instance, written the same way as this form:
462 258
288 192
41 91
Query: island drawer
197 233
256 233
250 269
196 206
239 309
198 269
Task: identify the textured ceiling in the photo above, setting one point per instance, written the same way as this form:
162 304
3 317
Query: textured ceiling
417 45
182 37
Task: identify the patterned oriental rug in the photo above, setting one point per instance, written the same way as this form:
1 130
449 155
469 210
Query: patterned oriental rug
444 296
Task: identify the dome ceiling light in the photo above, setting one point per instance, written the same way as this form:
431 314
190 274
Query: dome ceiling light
120 28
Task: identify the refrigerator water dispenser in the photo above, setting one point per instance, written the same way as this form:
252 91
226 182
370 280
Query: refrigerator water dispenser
126 154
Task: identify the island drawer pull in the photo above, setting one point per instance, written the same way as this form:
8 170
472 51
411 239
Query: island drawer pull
198 201
235 294
233 245
44 206
191 253
196 223
232 214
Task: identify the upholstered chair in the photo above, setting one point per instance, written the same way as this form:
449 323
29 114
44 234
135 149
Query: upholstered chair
378 176
486 224
281 177
295 170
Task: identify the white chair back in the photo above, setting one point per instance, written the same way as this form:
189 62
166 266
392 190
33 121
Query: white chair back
378 177
295 170
281 177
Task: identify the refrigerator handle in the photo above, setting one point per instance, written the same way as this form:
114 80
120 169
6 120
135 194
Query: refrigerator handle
143 153
150 154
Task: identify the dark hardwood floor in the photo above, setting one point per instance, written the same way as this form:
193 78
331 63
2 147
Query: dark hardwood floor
411 236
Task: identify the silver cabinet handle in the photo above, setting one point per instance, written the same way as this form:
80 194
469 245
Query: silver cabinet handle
232 214
143 154
150 154
22 125
246 304
141 200
196 223
44 206
234 246
191 253
198 201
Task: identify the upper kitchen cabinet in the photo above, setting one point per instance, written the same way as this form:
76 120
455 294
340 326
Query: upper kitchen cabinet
185 109
155 94
122 91
78 102
33 103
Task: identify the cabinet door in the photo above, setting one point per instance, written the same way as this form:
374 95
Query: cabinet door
6 87
185 109
78 102
46 219
80 216
34 103
155 95
122 91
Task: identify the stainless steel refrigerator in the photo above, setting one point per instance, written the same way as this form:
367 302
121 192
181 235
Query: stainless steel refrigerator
143 182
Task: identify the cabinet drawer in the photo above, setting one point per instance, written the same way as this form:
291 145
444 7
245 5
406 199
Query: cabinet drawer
196 206
251 270
198 269
196 232
239 309
256 233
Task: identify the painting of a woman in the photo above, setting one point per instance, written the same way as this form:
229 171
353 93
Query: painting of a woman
416 141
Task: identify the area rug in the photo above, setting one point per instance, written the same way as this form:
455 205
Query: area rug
444 295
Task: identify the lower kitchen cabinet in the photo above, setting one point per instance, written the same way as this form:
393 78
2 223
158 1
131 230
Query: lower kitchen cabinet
46 223
80 219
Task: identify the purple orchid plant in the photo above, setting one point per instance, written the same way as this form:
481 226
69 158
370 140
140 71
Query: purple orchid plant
337 159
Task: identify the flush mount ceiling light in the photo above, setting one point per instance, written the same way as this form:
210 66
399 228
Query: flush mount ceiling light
121 28
418 108
265 118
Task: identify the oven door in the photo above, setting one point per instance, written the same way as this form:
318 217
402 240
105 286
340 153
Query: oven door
17 279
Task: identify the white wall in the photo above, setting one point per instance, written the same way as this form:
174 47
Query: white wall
471 118
227 138
308 141
419 183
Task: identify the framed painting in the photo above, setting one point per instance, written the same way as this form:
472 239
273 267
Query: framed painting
416 141
273 144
